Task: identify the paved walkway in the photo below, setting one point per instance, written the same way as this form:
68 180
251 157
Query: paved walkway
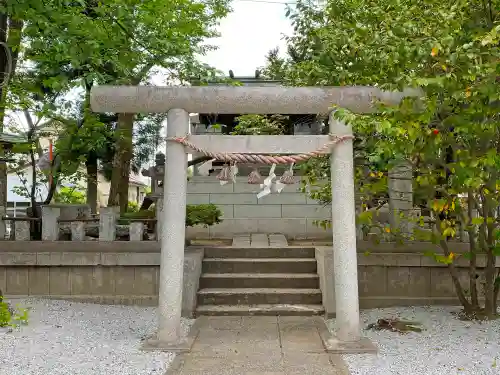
231 345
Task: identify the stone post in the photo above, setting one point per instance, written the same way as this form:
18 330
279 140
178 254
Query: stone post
159 216
22 231
344 235
3 223
136 231
50 224
345 264
359 209
77 231
107 223
173 230
401 197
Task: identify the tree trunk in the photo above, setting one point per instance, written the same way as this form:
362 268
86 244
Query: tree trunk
455 278
473 252
91 165
118 192
488 229
496 290
13 40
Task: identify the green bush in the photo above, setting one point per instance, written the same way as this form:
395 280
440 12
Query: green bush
202 214
5 313
10 317
132 206
196 214
69 195
144 214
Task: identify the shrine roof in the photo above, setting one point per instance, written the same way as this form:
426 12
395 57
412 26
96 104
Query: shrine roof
8 138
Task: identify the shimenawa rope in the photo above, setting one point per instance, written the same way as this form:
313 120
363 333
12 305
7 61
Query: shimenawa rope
263 159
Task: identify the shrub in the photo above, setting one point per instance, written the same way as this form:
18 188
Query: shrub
202 214
132 206
10 317
69 195
5 313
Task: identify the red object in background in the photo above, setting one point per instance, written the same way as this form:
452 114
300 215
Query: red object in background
50 159
435 131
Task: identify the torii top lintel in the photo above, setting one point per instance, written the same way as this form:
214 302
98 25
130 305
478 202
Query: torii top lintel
248 100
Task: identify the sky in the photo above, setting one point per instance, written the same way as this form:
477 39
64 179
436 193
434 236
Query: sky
248 33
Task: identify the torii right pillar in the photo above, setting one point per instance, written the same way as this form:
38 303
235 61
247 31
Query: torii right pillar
347 337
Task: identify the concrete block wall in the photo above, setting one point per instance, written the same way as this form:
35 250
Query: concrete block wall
290 212
128 273
95 273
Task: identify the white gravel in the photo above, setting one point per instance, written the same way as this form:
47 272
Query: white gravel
64 338
446 346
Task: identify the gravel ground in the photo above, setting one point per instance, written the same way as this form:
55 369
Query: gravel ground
64 338
446 346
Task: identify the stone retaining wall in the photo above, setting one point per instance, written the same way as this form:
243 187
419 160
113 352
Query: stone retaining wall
129 278
127 273
290 213
398 278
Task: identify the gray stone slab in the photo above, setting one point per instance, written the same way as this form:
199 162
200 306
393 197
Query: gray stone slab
219 323
238 364
310 364
258 345
277 240
259 240
241 241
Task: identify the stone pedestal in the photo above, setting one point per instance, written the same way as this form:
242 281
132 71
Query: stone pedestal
401 197
77 231
107 223
136 231
50 224
159 216
22 231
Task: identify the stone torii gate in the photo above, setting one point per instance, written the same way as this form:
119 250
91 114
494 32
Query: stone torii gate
179 102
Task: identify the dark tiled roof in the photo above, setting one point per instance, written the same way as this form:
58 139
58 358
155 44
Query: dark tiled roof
12 138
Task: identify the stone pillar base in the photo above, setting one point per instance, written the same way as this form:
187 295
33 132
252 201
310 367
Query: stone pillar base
362 346
183 345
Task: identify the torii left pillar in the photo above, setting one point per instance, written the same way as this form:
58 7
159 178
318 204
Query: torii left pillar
173 231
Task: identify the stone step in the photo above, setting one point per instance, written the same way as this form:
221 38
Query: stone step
259 280
259 265
255 252
256 296
262 310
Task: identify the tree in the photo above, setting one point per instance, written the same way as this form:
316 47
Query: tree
11 26
127 40
167 34
451 136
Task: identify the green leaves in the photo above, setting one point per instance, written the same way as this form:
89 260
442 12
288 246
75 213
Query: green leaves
260 125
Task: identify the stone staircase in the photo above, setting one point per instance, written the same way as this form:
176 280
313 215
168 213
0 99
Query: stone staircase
259 281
